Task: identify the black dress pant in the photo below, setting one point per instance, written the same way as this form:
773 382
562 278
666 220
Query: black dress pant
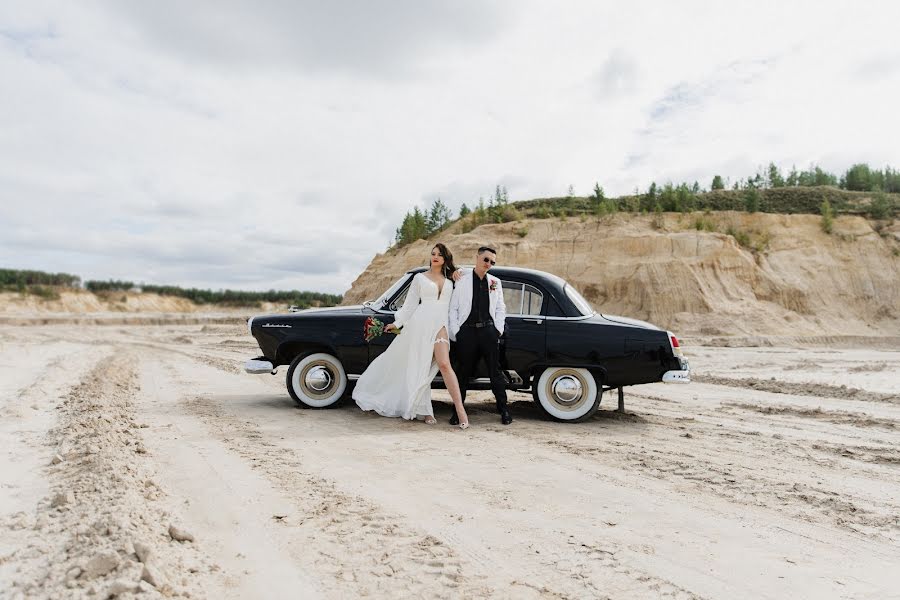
473 344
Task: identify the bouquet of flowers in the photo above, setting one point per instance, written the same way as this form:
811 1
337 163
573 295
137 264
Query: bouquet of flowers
373 328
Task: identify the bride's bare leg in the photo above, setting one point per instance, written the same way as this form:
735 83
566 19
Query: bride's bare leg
442 358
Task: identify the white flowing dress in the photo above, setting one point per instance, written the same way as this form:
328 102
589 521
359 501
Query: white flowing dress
398 382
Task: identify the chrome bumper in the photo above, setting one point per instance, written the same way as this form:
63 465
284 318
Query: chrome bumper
681 376
676 377
258 367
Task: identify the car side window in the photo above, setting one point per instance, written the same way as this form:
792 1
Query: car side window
533 301
522 298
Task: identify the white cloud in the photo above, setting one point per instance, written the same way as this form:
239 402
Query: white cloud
279 144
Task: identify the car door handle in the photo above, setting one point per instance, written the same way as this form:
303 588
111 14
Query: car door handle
538 321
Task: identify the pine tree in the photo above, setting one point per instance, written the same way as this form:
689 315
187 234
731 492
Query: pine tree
751 200
775 178
827 216
438 217
464 210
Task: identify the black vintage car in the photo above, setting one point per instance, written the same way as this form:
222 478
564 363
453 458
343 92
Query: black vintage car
554 344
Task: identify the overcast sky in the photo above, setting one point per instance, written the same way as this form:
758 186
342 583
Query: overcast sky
278 144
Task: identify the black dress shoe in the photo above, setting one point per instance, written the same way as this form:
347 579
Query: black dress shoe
505 417
454 419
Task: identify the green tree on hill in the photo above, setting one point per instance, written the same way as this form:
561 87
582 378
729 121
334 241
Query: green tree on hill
827 216
793 178
717 183
751 200
858 178
438 217
775 178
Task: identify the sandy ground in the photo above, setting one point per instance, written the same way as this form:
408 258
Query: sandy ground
139 460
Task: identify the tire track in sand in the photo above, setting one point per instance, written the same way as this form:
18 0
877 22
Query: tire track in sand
354 546
104 531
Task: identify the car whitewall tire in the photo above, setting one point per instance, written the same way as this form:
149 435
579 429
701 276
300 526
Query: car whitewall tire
567 394
316 380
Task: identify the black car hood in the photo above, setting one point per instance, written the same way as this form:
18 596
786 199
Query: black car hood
329 311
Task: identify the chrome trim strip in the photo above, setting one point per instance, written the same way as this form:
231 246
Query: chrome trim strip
578 318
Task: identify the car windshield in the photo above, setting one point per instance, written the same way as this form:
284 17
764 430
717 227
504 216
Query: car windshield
583 306
390 292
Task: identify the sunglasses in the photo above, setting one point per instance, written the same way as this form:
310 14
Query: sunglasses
487 260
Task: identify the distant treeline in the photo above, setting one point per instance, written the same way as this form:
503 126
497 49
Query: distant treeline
41 284
14 279
767 190
223 297
670 198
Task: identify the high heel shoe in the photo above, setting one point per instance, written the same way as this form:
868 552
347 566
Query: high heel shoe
430 420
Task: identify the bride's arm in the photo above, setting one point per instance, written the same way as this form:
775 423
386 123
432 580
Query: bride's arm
410 304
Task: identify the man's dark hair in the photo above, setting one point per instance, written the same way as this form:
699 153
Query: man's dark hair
484 249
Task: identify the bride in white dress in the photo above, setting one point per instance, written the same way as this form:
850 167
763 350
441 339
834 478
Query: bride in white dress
398 382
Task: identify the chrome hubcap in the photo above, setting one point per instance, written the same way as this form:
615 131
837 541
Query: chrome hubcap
567 389
318 379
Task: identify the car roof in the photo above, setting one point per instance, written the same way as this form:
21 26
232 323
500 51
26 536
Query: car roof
548 279
554 285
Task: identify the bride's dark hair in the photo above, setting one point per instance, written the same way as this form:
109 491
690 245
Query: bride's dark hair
449 268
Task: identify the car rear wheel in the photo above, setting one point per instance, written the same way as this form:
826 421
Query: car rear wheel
567 394
316 380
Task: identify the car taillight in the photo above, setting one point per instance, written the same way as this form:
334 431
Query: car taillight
676 349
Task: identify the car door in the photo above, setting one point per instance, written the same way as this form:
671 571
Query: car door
386 315
525 336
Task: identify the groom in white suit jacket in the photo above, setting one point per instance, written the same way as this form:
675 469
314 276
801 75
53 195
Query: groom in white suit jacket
477 320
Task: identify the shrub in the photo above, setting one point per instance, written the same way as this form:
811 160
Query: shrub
740 236
880 206
751 200
521 231
658 217
827 216
704 224
507 213
46 293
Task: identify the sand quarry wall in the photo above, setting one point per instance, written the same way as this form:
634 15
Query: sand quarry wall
788 278
81 306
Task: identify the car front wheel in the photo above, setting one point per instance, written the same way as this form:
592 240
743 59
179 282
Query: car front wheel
567 394
316 380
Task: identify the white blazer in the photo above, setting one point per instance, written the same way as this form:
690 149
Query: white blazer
461 303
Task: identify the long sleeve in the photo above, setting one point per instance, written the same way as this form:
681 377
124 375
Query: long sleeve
500 309
410 304
453 314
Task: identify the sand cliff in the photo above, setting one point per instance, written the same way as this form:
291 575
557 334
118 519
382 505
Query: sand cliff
788 278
